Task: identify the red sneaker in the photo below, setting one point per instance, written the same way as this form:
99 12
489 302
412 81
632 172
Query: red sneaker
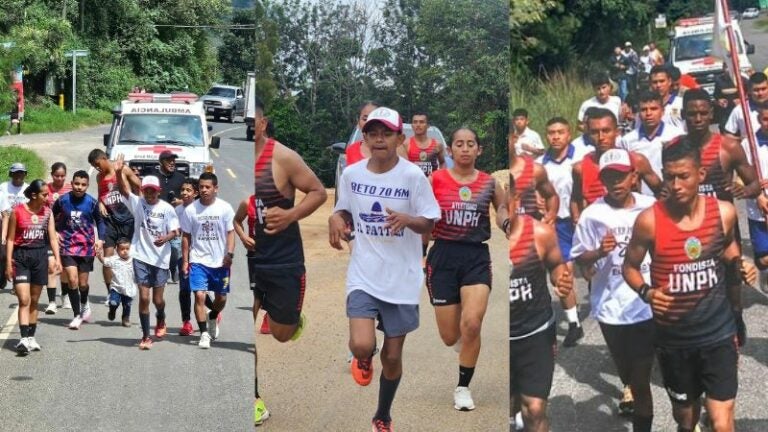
362 371
186 329
265 325
381 426
145 344
161 329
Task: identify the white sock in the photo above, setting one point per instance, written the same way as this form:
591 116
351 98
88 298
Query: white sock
572 315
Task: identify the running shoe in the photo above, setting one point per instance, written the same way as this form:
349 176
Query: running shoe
126 322
265 325
145 344
161 329
87 314
260 412
65 304
51 309
300 327
186 329
462 399
213 328
627 402
33 345
75 323
519 425
23 346
112 312
205 341
575 332
379 425
362 371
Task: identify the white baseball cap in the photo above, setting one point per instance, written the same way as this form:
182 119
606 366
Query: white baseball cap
617 160
386 116
150 182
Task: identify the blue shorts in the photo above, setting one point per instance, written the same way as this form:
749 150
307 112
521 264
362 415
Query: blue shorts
564 228
202 278
758 233
395 320
148 275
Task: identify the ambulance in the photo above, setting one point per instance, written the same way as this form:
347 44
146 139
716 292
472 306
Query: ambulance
691 50
147 124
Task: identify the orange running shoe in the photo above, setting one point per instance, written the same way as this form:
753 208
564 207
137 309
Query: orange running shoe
265 325
161 329
379 425
145 344
362 371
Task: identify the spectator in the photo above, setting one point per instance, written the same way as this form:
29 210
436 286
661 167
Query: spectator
631 61
618 71
14 115
646 62
656 56
527 141
170 192
603 88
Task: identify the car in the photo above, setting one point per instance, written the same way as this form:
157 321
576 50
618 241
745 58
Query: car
340 148
224 100
750 13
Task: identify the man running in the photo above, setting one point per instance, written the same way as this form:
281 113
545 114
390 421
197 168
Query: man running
357 151
427 153
600 242
661 83
603 98
694 255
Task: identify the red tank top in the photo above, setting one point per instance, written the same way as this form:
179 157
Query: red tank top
591 187
426 159
53 194
354 152
525 184
464 207
529 299
31 228
716 181
109 195
686 264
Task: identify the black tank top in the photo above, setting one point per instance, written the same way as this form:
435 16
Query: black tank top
281 249
530 304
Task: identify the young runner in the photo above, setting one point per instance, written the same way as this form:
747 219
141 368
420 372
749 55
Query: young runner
123 288
459 264
694 256
427 153
78 219
56 188
533 252
30 232
11 194
600 242
389 203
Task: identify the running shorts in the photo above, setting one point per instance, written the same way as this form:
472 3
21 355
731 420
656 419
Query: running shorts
148 275
532 364
452 265
564 228
30 266
395 320
280 290
115 231
84 264
202 278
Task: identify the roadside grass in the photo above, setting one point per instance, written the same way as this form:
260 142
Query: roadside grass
36 168
762 22
49 118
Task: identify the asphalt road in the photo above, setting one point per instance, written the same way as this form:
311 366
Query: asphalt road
96 379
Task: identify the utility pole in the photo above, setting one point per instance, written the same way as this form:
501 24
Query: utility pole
75 54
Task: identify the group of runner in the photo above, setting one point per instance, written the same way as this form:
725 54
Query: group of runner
648 220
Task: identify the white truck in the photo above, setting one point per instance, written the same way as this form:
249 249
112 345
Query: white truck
250 104
146 124
691 50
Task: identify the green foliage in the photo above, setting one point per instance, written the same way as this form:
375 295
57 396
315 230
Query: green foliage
36 168
50 118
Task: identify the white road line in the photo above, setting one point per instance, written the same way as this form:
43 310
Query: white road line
227 130
215 153
10 324
232 173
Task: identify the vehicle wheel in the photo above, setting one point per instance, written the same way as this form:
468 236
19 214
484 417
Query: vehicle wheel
249 134
231 116
215 117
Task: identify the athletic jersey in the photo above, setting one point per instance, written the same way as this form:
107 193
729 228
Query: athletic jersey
354 152
716 181
426 158
530 305
76 220
650 146
591 186
464 207
54 194
687 266
109 195
525 184
31 228
285 247
560 175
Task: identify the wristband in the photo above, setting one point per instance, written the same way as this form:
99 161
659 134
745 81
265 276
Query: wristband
230 255
505 224
643 292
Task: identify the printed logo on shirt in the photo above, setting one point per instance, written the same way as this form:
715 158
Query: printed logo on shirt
55 196
520 289
422 155
373 223
208 231
693 248
375 216
35 219
465 193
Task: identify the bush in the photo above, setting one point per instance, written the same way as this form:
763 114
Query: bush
36 168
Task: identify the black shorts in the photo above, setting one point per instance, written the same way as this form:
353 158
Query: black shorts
689 372
84 264
115 231
279 289
631 346
452 265
532 364
30 266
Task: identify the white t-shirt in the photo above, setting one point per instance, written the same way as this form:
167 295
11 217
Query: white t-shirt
613 104
582 146
150 223
650 146
611 299
208 227
560 174
123 279
753 211
736 125
530 137
10 195
385 265
673 113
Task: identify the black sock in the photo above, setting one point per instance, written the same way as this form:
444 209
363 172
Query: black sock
64 290
465 375
112 311
185 301
387 390
424 249
84 294
51 294
32 329
256 387
642 424
160 315
126 306
24 330
203 326
213 314
74 300
208 302
144 318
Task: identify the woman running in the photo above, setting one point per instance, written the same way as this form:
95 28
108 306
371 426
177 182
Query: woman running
459 264
56 188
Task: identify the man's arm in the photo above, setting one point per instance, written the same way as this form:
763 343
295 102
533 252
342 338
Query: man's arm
577 198
501 205
647 173
186 241
735 159
736 269
547 191
240 215
547 246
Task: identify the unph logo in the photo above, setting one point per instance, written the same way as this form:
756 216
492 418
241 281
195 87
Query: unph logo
465 193
693 248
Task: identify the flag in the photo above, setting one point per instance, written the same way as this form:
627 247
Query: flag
720 46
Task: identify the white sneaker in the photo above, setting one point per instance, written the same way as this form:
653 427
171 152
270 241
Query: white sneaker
205 340
51 309
23 346
519 425
33 345
213 329
75 323
87 314
65 304
462 399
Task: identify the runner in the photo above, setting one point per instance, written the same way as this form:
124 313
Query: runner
694 256
527 141
276 261
356 151
661 83
722 158
459 264
56 188
207 250
156 224
171 180
117 217
30 232
77 218
600 242
533 252
123 288
735 126
389 203
11 194
603 88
